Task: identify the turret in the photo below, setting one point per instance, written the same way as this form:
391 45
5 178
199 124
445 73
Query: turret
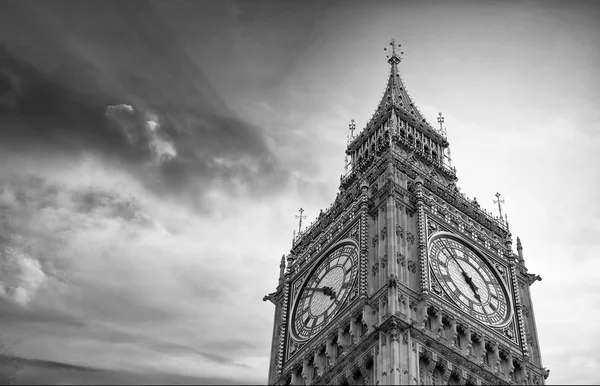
520 251
282 269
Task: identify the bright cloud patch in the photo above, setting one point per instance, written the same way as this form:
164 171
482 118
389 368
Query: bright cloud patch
20 276
141 132
163 149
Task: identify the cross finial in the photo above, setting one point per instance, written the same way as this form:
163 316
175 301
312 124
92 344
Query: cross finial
394 57
441 121
499 201
300 222
352 127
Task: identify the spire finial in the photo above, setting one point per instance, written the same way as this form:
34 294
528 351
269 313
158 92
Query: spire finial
300 222
351 127
499 202
441 121
394 57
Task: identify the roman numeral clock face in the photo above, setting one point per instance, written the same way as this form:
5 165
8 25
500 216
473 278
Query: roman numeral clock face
468 280
324 292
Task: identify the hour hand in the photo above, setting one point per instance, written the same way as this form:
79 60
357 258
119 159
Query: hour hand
326 291
472 285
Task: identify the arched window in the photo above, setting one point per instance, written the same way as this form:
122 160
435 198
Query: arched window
454 378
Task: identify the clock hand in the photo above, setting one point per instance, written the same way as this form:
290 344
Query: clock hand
464 273
326 291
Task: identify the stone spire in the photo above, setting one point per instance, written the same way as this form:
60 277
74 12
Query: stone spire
282 269
520 251
395 93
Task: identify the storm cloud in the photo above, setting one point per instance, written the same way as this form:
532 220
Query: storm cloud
177 134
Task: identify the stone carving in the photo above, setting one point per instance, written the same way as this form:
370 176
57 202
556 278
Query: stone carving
532 278
400 259
394 331
383 233
412 266
375 240
410 237
375 269
400 231
413 305
384 260
436 288
432 227
402 298
354 234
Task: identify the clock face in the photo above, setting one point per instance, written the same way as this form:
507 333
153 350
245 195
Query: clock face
324 291
468 280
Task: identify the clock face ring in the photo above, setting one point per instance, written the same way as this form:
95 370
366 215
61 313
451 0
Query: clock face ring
324 291
468 279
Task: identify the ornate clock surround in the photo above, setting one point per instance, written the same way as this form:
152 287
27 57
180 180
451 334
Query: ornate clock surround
301 282
501 267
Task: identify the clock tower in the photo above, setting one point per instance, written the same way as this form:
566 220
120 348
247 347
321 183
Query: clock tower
403 279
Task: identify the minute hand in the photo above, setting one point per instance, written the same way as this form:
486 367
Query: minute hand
464 273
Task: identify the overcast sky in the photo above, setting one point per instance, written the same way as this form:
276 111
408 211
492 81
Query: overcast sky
153 156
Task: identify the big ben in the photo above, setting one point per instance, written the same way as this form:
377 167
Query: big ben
404 280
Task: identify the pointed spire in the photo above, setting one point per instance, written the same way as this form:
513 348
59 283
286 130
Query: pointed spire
520 251
282 269
394 58
395 93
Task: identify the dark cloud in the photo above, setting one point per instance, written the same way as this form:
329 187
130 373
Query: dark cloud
33 371
11 313
70 106
159 345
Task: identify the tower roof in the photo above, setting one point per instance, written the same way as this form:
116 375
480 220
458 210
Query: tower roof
395 93
396 98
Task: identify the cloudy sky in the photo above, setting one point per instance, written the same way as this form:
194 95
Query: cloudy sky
153 156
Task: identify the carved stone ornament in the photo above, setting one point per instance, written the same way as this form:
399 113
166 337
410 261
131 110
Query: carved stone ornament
383 233
410 237
436 288
432 227
375 269
413 305
399 231
532 278
412 266
402 298
384 260
293 348
375 240
400 259
354 233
